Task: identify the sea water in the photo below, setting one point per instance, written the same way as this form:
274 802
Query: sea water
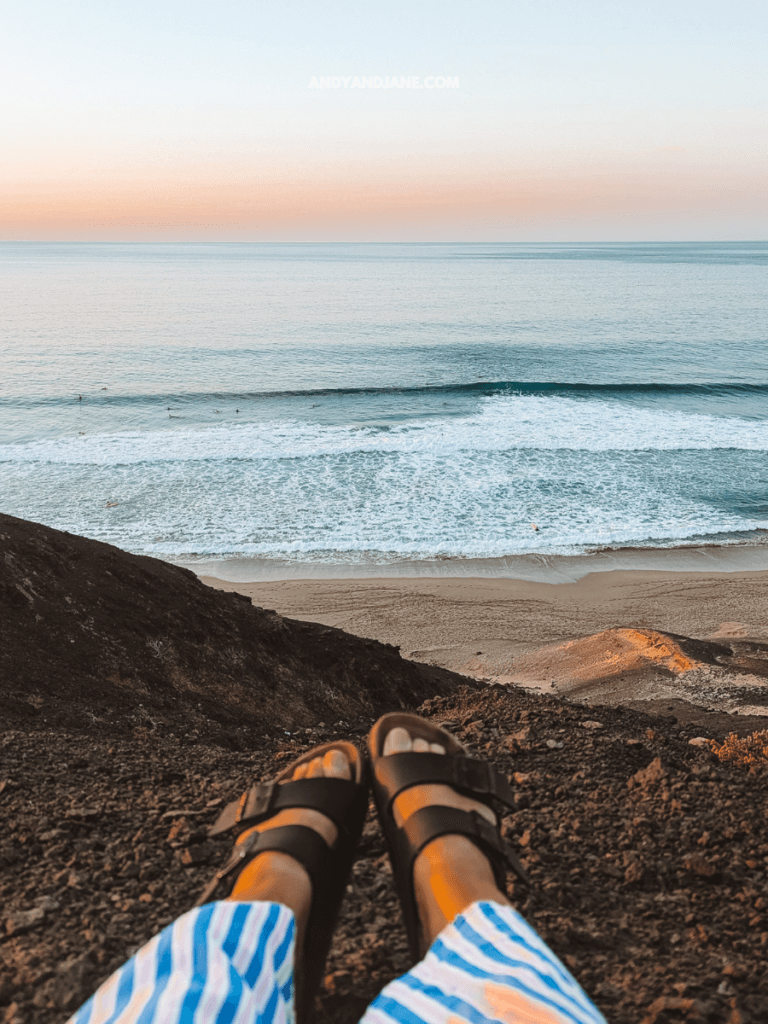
360 406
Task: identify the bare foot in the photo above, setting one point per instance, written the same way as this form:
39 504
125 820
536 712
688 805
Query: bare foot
276 877
451 872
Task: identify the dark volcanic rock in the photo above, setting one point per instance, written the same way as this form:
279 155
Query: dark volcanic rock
97 639
648 858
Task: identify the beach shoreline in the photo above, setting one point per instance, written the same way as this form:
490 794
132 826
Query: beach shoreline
527 566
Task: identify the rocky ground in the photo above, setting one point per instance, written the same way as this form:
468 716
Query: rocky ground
135 701
648 857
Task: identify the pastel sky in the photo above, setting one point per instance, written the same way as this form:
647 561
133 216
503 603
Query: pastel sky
195 119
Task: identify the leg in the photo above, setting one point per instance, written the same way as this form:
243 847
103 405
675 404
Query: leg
485 963
233 959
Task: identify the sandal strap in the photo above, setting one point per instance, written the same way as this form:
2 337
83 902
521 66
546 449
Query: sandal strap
299 841
338 799
468 775
434 821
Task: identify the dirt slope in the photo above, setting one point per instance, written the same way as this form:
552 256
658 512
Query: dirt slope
96 639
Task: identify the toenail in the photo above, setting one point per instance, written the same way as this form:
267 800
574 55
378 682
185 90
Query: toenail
335 763
397 741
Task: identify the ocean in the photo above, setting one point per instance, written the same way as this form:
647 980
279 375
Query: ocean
269 410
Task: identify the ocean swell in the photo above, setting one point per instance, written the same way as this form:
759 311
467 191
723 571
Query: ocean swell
503 423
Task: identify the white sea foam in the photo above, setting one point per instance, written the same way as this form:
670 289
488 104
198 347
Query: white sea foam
504 423
394 504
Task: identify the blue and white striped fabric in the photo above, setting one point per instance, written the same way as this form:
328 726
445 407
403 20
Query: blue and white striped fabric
232 963
226 962
487 966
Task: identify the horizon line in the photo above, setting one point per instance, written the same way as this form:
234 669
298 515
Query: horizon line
374 241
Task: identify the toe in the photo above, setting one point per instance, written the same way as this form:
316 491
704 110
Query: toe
300 772
315 769
336 766
397 741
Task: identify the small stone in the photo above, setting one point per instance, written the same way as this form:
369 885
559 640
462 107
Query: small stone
592 724
666 1003
518 740
47 903
554 744
337 981
655 772
24 921
86 813
198 854
51 835
700 865
698 741
634 872
177 831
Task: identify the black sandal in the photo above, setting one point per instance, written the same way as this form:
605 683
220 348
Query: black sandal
472 777
345 802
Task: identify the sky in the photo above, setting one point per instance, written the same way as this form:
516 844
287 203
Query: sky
219 119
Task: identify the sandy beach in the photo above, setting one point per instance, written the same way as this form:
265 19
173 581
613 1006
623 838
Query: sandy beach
451 618
511 630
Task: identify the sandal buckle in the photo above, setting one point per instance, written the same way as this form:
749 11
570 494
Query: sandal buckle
474 774
255 802
485 830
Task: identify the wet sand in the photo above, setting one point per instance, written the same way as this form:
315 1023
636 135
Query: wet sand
535 567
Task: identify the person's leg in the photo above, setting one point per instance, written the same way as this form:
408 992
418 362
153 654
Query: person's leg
276 877
485 963
233 959
451 872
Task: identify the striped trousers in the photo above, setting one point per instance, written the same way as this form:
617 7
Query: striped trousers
232 963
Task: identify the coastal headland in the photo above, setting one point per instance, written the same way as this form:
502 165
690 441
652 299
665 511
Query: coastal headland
135 700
